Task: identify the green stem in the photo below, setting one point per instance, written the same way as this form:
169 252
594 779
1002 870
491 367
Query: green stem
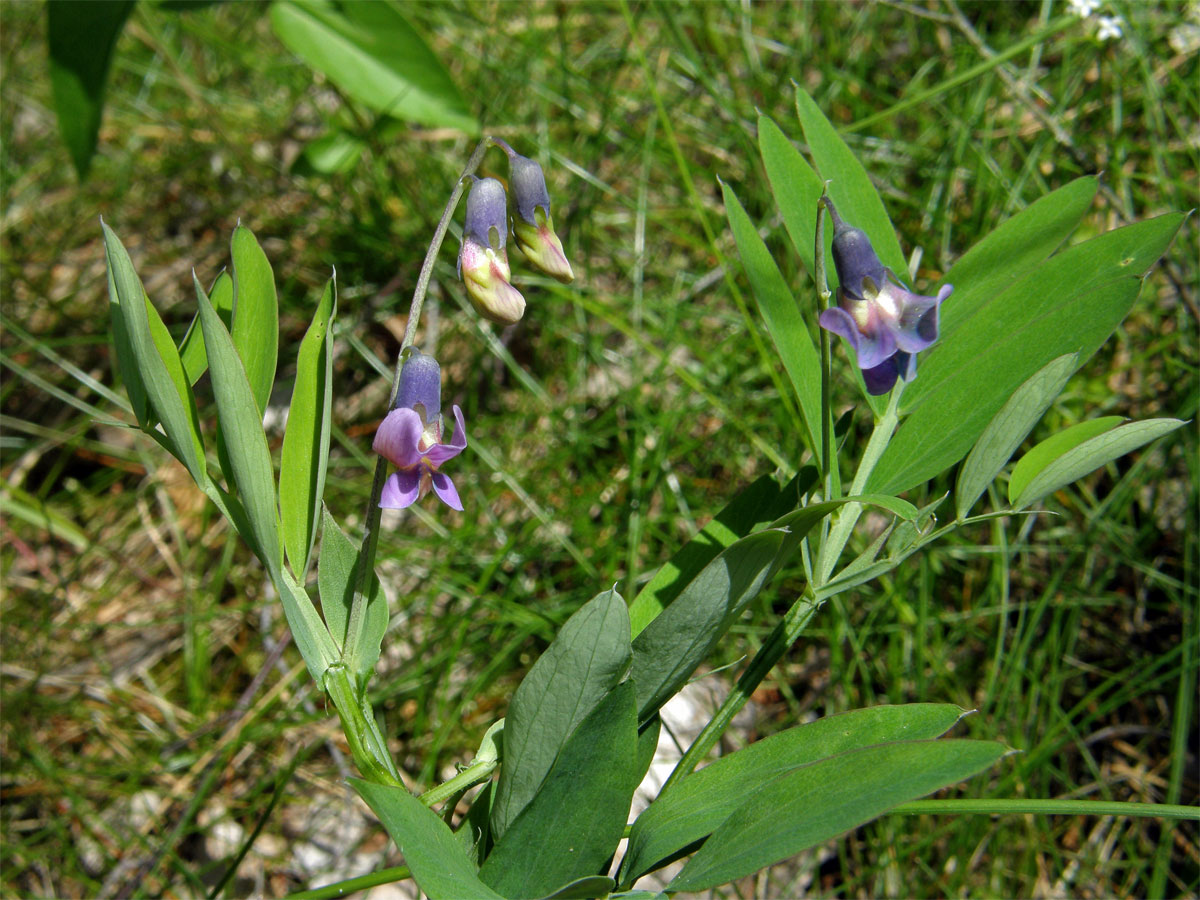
824 294
366 557
478 771
353 885
781 637
847 516
367 744
1051 808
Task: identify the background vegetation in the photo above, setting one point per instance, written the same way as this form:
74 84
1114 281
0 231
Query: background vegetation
155 725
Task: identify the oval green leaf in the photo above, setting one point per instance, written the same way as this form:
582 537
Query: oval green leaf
1044 453
698 805
370 51
571 827
305 453
764 501
590 655
785 321
439 865
814 803
1086 456
1010 426
1069 304
159 372
797 188
245 441
336 579
255 315
191 348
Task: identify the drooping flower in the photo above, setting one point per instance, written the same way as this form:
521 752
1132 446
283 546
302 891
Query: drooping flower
532 227
483 260
411 437
885 323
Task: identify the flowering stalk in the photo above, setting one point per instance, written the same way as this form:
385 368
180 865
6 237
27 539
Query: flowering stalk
847 516
366 557
823 292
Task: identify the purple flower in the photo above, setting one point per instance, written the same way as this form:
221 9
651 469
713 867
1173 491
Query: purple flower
483 261
411 437
885 323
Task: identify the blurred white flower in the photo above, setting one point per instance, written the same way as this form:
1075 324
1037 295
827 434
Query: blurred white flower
1108 28
1083 8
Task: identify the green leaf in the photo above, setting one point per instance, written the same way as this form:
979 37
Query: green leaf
330 154
588 658
1069 304
647 745
438 864
36 511
670 648
785 321
797 188
811 804
240 420
704 799
857 202
571 828
1076 461
336 574
311 636
305 453
1018 245
81 36
191 348
584 889
255 315
372 53
1044 453
907 533
850 186
151 364
762 502
474 833
1008 428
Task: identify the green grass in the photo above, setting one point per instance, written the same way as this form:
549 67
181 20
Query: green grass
605 429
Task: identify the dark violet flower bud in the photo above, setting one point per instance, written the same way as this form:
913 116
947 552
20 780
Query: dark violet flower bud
483 261
410 438
886 324
532 226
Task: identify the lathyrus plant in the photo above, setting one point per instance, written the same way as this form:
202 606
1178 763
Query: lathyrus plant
557 774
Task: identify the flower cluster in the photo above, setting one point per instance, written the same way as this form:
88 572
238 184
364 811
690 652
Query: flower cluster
1108 28
886 324
483 259
411 437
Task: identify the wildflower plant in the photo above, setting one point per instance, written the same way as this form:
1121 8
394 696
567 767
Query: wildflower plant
553 780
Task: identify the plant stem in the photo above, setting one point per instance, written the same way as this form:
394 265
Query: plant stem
824 294
367 744
366 556
848 515
781 637
477 771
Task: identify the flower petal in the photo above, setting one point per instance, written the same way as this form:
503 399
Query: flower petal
879 379
401 490
439 453
916 328
398 438
872 346
444 488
